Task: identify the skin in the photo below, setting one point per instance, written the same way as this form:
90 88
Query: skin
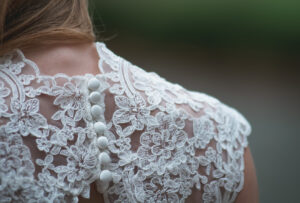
80 59
75 59
249 193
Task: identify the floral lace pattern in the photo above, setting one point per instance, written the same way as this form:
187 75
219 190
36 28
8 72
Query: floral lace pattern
163 140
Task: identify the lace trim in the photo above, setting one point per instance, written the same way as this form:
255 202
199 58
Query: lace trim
157 143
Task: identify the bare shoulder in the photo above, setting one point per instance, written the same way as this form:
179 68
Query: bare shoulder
249 193
75 59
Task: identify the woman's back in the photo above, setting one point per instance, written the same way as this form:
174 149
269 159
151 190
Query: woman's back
70 119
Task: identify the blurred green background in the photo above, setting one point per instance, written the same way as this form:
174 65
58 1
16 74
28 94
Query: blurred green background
247 54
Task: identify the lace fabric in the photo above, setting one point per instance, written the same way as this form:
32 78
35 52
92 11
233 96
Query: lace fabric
162 140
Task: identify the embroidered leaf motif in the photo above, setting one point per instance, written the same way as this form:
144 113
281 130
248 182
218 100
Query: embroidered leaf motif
163 140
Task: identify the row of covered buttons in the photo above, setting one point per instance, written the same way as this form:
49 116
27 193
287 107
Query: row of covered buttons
99 127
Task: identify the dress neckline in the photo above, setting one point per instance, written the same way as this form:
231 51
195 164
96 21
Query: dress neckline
37 69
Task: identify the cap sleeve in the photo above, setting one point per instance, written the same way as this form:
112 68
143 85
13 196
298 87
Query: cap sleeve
240 124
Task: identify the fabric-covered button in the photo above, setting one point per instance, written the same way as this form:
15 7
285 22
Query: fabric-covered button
96 111
116 178
99 128
102 142
105 176
95 97
93 84
104 158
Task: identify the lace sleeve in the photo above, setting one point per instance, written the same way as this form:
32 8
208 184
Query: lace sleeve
138 136
171 144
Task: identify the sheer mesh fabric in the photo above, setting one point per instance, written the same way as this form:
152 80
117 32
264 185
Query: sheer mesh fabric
165 143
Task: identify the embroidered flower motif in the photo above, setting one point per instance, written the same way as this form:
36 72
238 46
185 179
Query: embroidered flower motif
132 110
80 160
14 156
227 129
25 118
149 190
176 153
69 97
71 100
203 129
43 144
16 168
48 182
4 92
159 149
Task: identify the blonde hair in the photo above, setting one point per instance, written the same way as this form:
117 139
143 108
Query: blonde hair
27 23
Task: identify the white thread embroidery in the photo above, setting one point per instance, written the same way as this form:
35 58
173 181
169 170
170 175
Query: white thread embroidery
163 140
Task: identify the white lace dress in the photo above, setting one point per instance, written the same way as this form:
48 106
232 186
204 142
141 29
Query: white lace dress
140 137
